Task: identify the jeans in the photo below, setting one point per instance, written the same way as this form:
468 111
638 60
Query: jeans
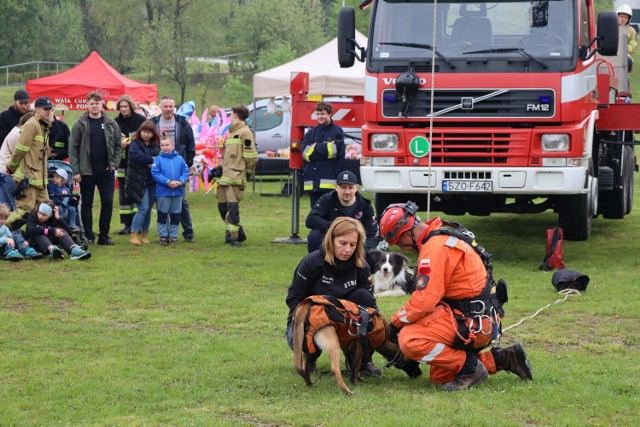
6 191
142 218
185 216
169 209
105 181
68 213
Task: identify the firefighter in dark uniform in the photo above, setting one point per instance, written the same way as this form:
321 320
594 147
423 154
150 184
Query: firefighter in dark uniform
129 122
240 156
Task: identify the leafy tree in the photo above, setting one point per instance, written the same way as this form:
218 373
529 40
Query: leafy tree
279 54
235 91
19 27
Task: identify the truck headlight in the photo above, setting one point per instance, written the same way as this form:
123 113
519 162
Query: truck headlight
555 142
384 142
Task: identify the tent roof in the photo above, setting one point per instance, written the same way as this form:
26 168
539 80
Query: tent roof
325 75
92 74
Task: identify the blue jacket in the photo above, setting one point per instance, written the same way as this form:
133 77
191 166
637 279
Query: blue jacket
323 153
185 141
169 167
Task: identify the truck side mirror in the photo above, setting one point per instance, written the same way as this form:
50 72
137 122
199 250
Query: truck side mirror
348 47
607 33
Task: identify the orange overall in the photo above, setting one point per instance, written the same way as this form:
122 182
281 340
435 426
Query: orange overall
450 269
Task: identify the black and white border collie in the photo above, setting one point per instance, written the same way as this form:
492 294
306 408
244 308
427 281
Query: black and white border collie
390 274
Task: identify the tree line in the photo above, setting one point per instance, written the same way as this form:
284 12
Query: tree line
157 36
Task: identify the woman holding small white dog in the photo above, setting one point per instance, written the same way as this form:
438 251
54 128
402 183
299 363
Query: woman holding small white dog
338 269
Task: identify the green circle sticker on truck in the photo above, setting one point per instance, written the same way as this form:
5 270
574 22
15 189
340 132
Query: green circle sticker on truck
419 146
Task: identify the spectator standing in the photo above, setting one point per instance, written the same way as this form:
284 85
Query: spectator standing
343 201
95 150
240 155
140 188
129 122
177 128
59 139
28 163
6 151
11 116
171 174
323 153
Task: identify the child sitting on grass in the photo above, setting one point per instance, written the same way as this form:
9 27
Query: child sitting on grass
171 173
58 192
12 245
46 229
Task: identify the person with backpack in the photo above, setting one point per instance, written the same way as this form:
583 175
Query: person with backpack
456 309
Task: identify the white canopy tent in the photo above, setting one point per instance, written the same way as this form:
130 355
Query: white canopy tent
325 75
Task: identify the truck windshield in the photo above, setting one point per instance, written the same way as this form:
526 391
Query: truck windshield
542 30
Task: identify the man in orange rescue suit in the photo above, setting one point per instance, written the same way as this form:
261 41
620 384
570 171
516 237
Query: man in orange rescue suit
240 156
454 312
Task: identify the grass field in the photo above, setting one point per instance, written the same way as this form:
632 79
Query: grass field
192 334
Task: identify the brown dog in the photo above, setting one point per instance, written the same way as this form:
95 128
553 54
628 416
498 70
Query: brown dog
332 325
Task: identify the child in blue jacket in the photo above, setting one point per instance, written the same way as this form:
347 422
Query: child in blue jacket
171 174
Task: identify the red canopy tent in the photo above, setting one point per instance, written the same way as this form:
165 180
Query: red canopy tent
71 87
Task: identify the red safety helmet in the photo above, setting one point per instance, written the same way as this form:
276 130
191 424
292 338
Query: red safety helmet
397 219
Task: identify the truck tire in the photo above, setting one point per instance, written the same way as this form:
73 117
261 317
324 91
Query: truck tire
576 212
614 203
630 172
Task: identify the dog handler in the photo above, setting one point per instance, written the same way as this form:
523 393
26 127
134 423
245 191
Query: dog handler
452 315
338 269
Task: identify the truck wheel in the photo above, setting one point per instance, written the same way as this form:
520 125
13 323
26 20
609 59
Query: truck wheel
630 172
614 203
576 213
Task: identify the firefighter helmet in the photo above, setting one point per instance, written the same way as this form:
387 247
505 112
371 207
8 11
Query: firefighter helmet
625 9
396 220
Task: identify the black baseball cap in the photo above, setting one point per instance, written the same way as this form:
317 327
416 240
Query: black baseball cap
347 177
43 102
21 95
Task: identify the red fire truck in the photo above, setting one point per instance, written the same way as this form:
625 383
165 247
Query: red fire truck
500 106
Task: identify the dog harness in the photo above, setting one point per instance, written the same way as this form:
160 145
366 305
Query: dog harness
350 321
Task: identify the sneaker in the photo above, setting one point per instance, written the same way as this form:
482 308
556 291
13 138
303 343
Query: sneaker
370 370
174 241
105 241
56 253
13 255
164 241
190 239
463 382
31 253
78 253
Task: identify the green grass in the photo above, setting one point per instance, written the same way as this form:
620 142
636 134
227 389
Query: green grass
192 334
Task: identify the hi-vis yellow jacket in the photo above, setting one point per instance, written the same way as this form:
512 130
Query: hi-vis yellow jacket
32 150
240 155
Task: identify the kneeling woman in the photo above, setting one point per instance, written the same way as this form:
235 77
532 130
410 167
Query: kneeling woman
338 269
46 230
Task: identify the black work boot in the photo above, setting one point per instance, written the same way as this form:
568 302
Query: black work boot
241 235
513 359
370 370
468 376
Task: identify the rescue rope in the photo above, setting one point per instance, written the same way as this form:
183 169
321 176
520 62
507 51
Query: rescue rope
433 78
566 292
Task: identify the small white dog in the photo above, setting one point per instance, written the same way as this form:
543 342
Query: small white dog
391 276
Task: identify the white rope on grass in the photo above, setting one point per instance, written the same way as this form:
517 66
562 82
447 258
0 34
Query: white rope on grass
566 292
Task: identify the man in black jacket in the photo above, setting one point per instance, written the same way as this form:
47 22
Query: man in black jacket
11 116
59 139
343 201
176 127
